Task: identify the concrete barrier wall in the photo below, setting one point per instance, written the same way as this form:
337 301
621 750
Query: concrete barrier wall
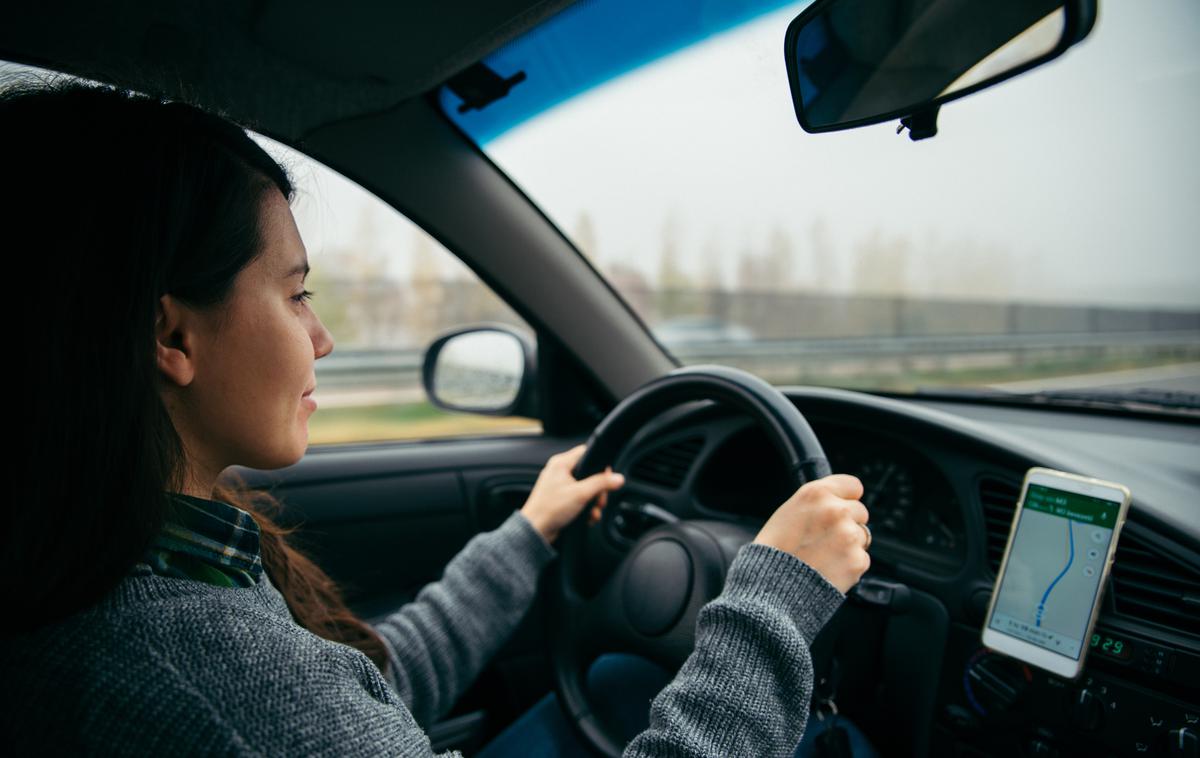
411 316
788 315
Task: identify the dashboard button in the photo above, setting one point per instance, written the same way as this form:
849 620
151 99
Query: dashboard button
1086 711
1181 742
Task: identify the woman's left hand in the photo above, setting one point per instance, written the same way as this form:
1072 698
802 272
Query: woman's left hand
558 497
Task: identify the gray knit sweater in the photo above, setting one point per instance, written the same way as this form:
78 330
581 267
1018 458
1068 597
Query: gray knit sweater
166 666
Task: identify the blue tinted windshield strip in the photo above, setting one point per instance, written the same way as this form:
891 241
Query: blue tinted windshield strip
591 43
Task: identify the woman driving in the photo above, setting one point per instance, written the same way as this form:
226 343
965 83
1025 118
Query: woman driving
165 335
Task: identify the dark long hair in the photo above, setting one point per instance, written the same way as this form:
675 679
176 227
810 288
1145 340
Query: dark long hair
112 200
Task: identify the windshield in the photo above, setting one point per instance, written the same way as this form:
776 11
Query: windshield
1044 239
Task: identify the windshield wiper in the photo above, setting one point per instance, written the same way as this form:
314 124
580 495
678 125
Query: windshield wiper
1139 398
1146 399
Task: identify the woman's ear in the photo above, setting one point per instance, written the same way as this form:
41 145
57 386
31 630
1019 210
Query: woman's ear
174 340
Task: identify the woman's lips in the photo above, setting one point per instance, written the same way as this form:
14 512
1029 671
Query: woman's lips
308 400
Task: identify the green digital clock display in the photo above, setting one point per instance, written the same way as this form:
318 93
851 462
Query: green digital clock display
1112 647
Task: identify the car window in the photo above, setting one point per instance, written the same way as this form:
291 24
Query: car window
1044 238
385 289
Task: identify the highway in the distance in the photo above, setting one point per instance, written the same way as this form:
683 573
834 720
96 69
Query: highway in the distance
1178 377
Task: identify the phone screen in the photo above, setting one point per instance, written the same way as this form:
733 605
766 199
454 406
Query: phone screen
1054 569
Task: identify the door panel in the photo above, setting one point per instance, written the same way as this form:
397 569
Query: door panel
494 493
384 520
380 537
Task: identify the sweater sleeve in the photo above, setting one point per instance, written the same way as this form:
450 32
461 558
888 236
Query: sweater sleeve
438 644
746 687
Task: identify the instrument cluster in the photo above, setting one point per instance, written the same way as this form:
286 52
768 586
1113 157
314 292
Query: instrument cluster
914 511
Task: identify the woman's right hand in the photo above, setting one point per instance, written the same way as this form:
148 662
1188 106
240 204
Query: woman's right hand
822 525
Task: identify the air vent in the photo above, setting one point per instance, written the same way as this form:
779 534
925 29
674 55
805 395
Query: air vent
668 465
999 499
1148 587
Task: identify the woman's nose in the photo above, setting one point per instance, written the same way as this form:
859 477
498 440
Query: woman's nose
322 341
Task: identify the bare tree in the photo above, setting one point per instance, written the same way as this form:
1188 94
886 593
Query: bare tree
822 273
585 236
881 264
674 284
427 293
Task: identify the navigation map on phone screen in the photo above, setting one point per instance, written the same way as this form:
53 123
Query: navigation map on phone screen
1054 569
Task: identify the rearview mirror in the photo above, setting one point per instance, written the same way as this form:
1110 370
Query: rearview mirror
857 62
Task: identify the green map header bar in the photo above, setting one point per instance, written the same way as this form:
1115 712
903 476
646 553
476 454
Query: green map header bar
1070 505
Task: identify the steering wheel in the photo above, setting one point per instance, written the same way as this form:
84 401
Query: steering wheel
644 599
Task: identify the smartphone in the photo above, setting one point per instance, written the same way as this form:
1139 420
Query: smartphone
1060 549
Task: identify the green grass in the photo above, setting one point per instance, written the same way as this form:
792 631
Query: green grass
398 421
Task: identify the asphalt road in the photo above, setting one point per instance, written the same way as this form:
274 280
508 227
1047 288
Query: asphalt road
1178 377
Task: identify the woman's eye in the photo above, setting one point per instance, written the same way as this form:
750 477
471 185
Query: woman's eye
303 296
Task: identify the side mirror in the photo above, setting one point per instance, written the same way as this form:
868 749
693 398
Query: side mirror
488 369
852 63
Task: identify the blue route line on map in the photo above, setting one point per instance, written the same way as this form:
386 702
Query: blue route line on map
1070 559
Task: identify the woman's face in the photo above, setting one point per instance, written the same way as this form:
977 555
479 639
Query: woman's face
253 363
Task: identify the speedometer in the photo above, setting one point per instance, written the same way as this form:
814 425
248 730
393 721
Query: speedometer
913 507
887 493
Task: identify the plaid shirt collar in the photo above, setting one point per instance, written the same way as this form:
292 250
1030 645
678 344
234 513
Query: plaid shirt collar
216 533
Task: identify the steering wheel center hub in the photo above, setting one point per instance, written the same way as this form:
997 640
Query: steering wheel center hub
657 586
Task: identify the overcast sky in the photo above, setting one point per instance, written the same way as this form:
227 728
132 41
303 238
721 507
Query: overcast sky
1082 178
1079 181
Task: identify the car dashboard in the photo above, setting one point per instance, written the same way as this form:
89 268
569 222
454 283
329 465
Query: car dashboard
941 480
